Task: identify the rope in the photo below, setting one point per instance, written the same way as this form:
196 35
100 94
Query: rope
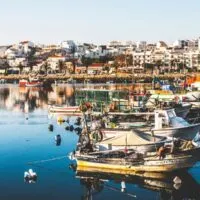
118 190
47 160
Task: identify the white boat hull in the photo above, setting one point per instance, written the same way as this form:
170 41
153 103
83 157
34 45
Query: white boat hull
188 132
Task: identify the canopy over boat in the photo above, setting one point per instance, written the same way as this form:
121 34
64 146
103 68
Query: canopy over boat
132 139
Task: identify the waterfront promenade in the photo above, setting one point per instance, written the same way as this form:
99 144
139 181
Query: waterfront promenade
99 78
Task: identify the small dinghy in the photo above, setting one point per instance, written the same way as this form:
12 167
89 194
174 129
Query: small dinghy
30 176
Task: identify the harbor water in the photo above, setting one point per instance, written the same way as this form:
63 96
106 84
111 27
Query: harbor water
27 143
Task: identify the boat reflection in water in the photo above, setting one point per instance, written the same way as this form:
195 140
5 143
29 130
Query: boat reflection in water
176 185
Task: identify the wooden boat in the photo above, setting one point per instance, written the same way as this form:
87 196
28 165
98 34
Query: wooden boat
67 110
123 174
138 163
137 141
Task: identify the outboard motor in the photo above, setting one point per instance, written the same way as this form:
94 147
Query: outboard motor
58 140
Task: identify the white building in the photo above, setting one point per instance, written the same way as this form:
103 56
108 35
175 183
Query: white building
192 59
2 51
161 46
139 58
17 61
53 61
115 43
141 45
68 46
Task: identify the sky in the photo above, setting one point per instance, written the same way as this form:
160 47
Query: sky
98 21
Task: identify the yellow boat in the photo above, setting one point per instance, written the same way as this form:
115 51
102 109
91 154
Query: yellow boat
170 162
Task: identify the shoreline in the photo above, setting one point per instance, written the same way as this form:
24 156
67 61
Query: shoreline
99 78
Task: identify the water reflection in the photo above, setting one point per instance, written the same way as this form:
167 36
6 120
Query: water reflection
166 185
27 100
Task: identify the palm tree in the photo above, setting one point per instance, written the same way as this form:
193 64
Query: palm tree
60 66
20 66
45 67
73 51
86 62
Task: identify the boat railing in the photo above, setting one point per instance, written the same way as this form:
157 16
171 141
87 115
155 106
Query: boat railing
194 120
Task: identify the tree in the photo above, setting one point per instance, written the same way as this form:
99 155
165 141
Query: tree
121 59
61 66
86 62
45 67
20 66
73 51
149 66
116 66
129 60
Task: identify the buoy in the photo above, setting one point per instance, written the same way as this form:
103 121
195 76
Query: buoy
78 130
78 121
67 128
123 186
71 128
60 120
50 127
177 180
58 140
30 176
177 183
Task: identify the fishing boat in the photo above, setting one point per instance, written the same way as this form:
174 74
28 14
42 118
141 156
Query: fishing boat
192 96
23 82
166 124
32 82
182 109
169 125
134 162
67 110
137 141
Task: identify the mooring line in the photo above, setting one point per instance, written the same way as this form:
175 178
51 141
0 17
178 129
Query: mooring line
47 160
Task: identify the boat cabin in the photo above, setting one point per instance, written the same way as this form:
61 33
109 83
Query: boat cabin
168 118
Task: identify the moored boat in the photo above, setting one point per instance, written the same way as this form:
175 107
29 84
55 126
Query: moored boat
67 110
23 82
139 142
32 82
136 162
166 123
169 125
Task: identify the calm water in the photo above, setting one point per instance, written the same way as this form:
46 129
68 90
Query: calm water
25 138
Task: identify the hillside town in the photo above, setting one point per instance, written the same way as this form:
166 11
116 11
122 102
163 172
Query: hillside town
70 57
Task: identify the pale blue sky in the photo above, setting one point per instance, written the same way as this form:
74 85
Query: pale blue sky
98 21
